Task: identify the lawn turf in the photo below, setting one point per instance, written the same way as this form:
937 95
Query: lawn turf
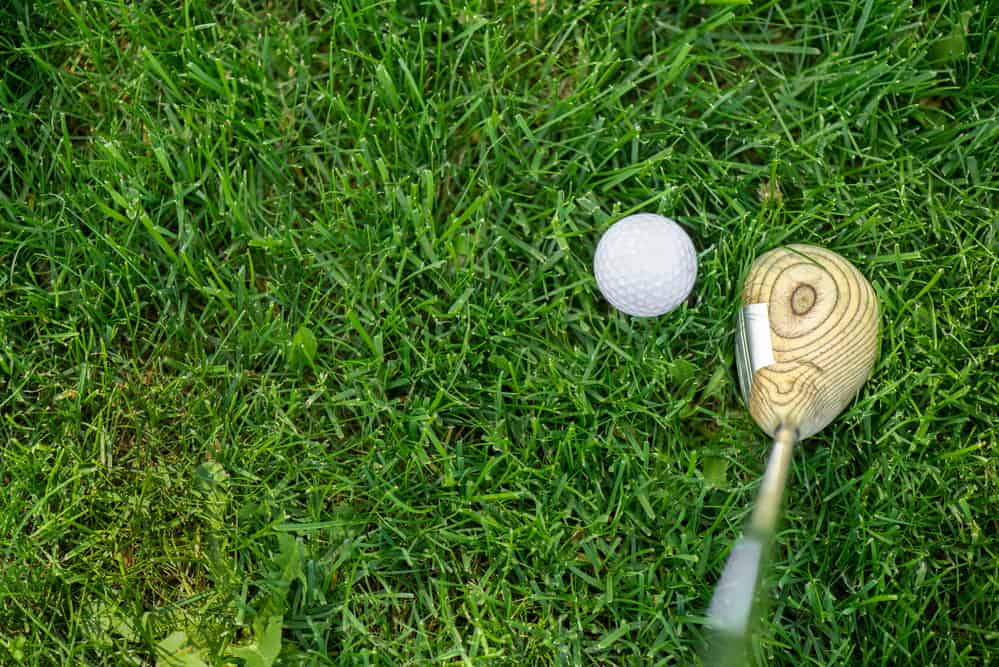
300 349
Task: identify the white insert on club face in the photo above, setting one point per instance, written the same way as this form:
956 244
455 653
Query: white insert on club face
754 347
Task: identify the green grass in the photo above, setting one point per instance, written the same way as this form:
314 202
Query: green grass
297 322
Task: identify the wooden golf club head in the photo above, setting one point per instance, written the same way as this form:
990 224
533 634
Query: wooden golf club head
807 338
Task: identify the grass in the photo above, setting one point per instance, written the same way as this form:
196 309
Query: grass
301 355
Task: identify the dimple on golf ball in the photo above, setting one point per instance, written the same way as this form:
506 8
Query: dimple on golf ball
645 265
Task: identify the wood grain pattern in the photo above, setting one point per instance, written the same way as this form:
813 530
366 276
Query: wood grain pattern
824 325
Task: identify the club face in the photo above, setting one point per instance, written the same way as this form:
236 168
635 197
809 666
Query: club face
748 323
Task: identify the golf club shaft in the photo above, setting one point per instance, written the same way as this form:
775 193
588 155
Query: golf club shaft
771 495
731 607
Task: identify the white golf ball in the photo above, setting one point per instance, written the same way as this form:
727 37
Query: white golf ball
645 265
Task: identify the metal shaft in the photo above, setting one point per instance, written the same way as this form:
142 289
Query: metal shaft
731 607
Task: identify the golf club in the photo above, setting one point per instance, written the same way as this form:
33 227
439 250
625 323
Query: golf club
806 341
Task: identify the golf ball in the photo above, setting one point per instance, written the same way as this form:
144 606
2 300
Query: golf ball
645 265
